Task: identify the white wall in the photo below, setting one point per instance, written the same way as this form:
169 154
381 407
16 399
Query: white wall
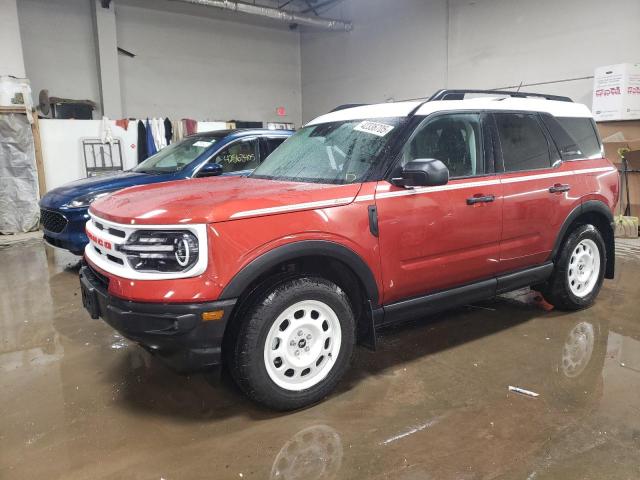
204 68
190 65
11 62
496 43
59 49
411 48
397 50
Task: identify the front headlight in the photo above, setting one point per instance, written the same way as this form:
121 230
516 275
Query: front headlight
161 250
86 200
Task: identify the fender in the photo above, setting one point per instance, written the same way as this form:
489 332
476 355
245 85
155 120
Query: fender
600 208
304 248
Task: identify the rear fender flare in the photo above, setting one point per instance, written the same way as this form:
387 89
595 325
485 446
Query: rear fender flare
590 206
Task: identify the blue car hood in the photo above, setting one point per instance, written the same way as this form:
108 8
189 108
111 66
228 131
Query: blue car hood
64 194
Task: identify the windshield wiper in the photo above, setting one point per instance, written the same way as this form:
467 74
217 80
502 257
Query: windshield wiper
153 172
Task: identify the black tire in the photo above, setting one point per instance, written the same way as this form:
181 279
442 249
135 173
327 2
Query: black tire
557 290
245 356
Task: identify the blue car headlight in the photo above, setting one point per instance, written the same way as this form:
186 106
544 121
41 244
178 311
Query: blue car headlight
86 200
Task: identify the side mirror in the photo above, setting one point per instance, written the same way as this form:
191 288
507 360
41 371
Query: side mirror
423 172
210 170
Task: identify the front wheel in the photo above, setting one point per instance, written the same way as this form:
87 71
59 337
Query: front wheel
579 270
294 343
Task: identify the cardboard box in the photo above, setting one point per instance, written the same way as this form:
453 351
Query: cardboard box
633 180
616 92
617 135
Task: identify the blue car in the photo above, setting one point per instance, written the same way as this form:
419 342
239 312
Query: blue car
63 211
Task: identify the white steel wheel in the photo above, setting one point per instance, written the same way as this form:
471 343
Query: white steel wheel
578 349
302 345
584 268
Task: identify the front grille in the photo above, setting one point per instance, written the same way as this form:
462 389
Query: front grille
113 231
117 233
53 221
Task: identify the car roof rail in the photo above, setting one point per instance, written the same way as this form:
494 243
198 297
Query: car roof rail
348 105
460 94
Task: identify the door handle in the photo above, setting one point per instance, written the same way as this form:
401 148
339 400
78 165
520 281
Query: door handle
480 199
559 188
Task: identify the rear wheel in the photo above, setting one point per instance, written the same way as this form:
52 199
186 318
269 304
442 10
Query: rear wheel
294 343
579 270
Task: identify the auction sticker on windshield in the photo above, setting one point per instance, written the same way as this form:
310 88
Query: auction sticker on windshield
202 144
379 129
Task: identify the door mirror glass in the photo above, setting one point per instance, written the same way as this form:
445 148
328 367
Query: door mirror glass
423 172
210 170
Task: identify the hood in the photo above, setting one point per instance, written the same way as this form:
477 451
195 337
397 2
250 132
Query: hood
61 195
209 200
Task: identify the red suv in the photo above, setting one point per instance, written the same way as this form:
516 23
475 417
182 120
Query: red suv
367 216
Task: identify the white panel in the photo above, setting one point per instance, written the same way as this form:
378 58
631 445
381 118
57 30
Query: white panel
62 148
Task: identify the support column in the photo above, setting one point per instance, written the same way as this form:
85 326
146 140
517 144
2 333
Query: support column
11 58
107 55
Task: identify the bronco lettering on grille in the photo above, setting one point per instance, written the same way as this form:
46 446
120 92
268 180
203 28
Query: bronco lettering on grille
103 243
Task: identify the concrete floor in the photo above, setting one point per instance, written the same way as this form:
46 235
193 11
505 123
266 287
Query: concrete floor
79 402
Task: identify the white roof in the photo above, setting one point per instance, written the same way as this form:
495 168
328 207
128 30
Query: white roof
403 109
381 110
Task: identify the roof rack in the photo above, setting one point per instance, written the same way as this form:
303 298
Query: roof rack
348 105
460 94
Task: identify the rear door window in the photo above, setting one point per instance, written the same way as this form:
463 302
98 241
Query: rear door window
239 156
523 142
271 144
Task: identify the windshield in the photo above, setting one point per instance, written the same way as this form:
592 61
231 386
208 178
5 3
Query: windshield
336 152
177 155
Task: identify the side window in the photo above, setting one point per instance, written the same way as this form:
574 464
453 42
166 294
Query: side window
524 144
271 144
454 139
583 135
241 155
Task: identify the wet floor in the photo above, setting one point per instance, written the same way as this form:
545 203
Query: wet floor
79 402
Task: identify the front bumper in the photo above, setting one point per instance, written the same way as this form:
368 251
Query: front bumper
175 332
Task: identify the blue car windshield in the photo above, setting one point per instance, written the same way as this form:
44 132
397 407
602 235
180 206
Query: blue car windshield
177 155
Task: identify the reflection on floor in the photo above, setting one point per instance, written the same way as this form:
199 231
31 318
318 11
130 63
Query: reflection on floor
77 401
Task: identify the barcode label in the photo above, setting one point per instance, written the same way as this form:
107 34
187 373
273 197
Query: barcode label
375 128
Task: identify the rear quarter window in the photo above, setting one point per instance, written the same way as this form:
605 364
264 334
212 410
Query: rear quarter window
575 138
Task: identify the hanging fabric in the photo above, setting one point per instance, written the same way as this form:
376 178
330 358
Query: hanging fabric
142 142
178 130
168 130
157 125
190 126
106 136
123 123
151 144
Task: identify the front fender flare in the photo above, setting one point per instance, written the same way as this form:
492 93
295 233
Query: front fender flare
304 248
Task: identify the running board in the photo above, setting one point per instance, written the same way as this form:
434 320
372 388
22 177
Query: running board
409 309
